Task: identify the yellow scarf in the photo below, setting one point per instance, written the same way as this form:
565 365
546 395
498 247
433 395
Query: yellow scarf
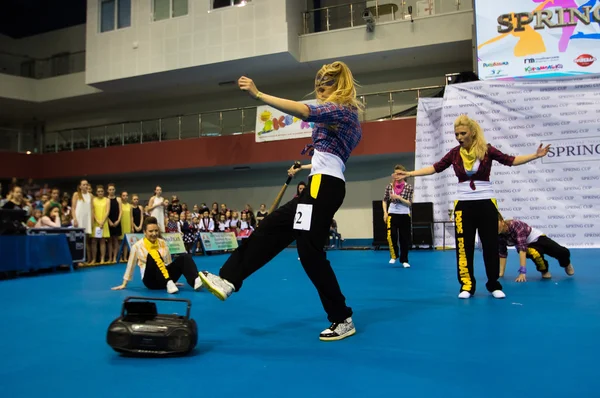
153 251
468 158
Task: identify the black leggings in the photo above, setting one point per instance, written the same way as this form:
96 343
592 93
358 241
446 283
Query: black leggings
156 278
471 216
399 225
276 232
545 245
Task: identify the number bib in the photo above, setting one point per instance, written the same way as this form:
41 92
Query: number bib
303 217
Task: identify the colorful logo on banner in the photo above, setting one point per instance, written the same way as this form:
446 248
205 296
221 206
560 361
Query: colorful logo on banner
273 125
558 194
537 38
215 241
174 241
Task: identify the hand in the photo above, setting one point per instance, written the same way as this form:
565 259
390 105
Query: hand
521 278
542 151
75 223
246 84
401 174
120 287
385 218
393 196
292 171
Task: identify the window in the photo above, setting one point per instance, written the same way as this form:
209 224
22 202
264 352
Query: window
114 13
228 3
165 9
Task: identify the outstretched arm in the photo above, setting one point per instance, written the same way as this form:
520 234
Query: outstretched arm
293 108
540 153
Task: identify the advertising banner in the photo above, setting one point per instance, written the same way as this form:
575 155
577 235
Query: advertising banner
537 38
274 125
217 241
174 241
560 193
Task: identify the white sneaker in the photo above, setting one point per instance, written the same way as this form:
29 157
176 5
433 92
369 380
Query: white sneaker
464 295
393 261
499 294
198 284
171 287
570 270
338 331
406 265
216 285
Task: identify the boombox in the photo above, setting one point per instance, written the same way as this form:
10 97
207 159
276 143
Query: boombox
142 331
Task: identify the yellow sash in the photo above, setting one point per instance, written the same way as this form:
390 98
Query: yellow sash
153 251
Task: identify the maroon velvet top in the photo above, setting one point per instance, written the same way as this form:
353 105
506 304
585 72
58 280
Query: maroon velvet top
485 166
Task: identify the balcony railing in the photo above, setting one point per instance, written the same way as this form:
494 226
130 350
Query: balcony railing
351 14
378 106
42 68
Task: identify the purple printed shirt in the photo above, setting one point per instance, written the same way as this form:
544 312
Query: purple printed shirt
517 235
337 129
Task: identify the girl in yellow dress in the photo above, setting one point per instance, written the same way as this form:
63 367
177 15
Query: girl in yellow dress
101 209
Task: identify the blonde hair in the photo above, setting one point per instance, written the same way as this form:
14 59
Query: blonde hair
479 146
344 85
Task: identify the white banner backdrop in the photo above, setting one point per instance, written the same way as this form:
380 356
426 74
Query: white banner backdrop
559 194
274 125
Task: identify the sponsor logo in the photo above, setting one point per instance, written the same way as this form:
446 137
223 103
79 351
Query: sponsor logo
506 119
573 113
520 109
543 68
522 127
559 88
561 217
574 149
585 60
578 207
529 217
555 124
579 131
514 190
545 98
590 178
545 208
569 96
571 169
564 235
591 216
559 179
544 134
542 171
494 64
592 234
579 226
548 226
493 112
543 189
561 198
506 173
581 86
591 197
581 188
512 209
530 199
540 60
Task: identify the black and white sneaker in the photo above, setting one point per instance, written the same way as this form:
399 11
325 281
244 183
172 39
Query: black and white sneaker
338 331
216 285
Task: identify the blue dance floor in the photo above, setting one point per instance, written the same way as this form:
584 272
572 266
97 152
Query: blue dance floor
414 337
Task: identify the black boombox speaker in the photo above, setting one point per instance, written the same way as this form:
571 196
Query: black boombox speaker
142 331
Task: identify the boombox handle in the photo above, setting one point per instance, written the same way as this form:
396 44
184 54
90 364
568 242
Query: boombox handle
187 313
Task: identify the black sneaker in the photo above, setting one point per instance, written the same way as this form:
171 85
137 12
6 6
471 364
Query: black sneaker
338 331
